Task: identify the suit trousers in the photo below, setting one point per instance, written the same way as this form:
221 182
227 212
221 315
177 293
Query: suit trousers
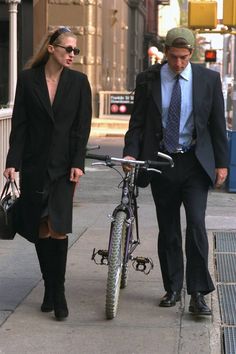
185 184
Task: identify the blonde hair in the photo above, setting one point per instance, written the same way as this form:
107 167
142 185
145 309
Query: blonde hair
42 55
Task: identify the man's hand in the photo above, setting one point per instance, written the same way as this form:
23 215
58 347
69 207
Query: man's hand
75 174
10 173
221 174
127 167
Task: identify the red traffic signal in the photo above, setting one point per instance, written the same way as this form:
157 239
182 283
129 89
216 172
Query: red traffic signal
210 56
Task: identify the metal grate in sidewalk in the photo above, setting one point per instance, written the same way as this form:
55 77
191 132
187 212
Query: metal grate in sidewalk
225 242
226 267
225 263
229 335
227 297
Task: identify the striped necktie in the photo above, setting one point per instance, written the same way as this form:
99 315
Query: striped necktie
171 133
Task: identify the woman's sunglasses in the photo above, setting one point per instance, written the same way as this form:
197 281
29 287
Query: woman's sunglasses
69 49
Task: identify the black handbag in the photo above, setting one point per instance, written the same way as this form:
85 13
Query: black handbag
8 203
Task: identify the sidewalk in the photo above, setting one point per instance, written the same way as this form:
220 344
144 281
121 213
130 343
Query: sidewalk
141 326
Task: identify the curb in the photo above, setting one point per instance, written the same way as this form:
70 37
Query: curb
111 128
109 133
215 330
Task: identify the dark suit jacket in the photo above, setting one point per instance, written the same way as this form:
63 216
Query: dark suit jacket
47 138
143 138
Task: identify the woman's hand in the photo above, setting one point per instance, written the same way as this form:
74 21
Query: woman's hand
10 173
75 174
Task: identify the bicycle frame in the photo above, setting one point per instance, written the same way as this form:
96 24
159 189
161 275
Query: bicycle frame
129 205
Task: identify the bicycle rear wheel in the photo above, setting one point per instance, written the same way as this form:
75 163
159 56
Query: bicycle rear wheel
115 264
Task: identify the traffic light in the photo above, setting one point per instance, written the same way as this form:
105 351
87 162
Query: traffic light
210 56
202 14
229 13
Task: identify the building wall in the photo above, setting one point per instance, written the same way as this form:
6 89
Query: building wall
114 45
110 35
136 19
85 19
40 22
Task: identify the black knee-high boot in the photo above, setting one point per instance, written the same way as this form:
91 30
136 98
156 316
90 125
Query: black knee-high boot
60 247
44 252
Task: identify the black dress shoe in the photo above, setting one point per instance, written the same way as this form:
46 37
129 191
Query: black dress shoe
198 305
170 299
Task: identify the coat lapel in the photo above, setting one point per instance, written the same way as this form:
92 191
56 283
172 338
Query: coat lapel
41 90
198 89
62 89
156 86
156 92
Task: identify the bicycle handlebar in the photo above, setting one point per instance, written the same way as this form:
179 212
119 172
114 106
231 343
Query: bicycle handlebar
98 157
109 160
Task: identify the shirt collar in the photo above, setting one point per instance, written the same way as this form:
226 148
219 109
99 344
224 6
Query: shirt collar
169 75
186 73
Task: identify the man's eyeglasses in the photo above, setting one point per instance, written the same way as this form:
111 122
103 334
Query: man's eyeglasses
69 49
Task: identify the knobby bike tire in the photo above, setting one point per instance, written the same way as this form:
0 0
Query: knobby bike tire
115 264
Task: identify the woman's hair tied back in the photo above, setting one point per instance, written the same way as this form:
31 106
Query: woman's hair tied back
57 33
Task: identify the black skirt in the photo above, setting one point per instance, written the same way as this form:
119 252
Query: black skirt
58 203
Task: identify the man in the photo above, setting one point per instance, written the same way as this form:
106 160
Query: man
195 114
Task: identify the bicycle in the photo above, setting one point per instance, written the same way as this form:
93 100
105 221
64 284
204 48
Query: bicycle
123 240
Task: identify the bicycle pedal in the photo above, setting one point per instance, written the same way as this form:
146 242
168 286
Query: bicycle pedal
142 264
100 253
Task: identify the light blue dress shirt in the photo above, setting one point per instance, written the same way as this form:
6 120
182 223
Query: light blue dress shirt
186 116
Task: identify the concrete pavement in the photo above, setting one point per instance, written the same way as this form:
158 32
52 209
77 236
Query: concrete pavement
141 326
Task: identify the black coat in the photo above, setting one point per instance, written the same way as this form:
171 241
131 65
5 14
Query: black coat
145 128
47 138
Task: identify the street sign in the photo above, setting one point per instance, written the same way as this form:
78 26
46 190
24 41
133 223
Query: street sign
121 104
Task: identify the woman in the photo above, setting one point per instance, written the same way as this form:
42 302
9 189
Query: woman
50 129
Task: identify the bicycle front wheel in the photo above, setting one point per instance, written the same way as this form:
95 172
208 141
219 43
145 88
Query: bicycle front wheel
115 264
124 272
